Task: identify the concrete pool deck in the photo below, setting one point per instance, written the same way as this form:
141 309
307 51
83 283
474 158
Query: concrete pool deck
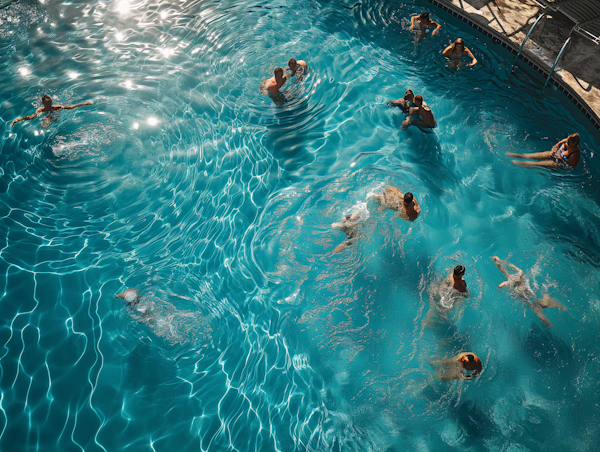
579 66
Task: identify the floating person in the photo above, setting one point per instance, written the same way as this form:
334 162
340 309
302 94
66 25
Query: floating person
456 50
131 296
349 226
404 103
564 154
47 108
420 115
520 288
393 198
456 368
424 23
298 69
448 293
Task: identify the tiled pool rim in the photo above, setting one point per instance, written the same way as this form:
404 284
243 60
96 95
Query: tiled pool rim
509 45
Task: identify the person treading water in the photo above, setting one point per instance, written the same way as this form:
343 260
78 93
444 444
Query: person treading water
424 22
420 115
393 198
272 85
457 49
298 68
520 287
47 108
404 103
456 368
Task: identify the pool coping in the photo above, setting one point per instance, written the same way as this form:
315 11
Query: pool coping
529 59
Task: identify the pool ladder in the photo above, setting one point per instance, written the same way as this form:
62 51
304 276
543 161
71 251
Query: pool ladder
525 40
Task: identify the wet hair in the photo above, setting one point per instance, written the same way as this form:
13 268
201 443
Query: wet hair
292 61
408 91
278 70
348 217
419 98
408 197
470 357
459 270
459 41
46 98
574 138
424 15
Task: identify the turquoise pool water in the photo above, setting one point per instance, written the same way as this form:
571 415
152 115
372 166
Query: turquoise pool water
184 182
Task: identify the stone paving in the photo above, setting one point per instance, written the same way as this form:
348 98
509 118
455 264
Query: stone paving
579 66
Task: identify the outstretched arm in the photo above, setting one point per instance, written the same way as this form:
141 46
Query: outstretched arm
474 62
437 27
514 267
70 107
412 22
26 118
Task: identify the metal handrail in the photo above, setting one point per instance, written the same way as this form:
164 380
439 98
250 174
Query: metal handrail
556 62
525 40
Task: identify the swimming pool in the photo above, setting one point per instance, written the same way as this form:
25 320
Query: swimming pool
184 182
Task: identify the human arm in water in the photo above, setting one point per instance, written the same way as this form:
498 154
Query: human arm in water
27 118
412 22
447 52
437 27
472 63
70 107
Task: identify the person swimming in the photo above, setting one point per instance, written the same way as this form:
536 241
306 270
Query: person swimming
457 280
404 103
420 115
520 287
424 23
564 154
272 85
406 205
131 296
457 49
349 226
456 368
47 109
298 68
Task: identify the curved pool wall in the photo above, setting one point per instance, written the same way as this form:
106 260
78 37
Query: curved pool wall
186 183
526 57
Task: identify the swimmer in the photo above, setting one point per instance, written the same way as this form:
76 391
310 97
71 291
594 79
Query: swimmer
271 85
456 368
349 227
457 280
564 154
47 108
404 103
420 115
131 296
521 289
406 205
424 23
457 49
299 69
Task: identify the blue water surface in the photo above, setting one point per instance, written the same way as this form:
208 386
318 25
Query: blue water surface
184 182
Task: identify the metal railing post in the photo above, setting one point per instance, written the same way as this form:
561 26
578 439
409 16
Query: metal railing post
556 62
525 40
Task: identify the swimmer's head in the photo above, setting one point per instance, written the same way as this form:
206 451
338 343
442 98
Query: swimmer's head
424 16
459 42
46 100
292 64
573 139
459 270
418 100
278 73
408 198
409 95
348 217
